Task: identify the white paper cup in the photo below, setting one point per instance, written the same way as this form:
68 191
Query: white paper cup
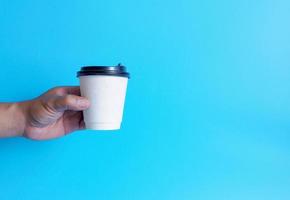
105 87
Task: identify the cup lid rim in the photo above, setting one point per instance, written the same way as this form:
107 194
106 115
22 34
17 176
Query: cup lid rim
118 70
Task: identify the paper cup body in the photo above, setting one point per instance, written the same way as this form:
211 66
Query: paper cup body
107 97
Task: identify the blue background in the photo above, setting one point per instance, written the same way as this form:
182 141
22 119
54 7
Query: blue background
207 113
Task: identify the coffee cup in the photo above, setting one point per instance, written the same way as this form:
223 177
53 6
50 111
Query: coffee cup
105 87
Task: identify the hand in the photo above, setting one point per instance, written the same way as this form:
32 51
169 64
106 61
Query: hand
54 114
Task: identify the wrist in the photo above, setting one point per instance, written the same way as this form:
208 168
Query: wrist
20 117
12 119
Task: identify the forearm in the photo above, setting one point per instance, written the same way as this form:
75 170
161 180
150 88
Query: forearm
12 119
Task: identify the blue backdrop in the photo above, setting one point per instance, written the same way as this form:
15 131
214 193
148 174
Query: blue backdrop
207 114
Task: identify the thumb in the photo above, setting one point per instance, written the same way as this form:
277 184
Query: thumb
70 102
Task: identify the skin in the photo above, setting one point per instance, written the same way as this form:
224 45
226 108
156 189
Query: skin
53 114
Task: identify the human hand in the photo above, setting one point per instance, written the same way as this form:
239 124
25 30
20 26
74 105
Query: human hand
54 114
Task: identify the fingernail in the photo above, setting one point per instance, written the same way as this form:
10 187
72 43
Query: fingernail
83 102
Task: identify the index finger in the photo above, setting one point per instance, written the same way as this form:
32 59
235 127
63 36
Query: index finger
63 90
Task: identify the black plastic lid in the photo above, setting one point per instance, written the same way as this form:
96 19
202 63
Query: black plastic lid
118 70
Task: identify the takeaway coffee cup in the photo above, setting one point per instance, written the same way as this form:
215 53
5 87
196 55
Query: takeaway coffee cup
105 87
